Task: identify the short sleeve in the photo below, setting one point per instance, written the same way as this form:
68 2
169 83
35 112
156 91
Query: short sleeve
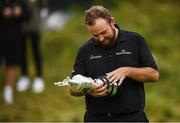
79 65
145 55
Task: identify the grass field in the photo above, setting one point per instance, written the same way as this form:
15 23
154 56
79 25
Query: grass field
158 21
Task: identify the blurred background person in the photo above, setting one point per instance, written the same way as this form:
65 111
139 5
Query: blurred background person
61 12
65 5
12 14
32 36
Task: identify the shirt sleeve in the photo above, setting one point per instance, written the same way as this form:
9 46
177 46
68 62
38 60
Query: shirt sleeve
145 55
79 65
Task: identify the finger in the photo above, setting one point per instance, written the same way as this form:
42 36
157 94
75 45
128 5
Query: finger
98 86
102 89
113 78
121 80
109 75
104 93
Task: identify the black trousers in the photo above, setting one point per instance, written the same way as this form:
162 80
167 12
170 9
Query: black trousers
34 38
139 116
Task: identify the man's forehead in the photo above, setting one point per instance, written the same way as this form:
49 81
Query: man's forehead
97 31
98 27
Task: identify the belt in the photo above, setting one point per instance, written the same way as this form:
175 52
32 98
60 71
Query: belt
110 114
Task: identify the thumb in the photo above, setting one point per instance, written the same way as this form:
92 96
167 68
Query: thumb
121 80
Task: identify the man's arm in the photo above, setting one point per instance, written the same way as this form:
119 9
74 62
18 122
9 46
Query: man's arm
78 68
98 90
145 74
77 94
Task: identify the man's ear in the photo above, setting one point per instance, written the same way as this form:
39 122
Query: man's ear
112 21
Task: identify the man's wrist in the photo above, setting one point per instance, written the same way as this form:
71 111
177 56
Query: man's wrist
86 92
127 71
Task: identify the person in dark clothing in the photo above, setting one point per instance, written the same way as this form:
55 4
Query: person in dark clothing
32 36
124 58
12 14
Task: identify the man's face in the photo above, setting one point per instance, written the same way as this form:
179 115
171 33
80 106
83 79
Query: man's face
103 32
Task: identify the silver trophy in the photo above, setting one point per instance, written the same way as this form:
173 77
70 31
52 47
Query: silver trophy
80 83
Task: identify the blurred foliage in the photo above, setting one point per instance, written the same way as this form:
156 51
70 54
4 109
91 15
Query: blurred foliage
157 20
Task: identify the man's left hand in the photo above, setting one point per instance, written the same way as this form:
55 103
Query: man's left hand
117 75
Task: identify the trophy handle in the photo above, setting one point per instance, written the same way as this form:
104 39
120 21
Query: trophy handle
65 82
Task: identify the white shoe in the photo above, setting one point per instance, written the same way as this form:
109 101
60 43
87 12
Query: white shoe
23 84
38 85
8 95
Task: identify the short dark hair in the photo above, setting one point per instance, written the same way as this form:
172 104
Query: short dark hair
97 12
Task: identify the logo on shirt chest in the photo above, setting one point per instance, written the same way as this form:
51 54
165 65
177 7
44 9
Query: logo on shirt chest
123 52
95 57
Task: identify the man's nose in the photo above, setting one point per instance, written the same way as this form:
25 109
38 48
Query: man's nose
101 38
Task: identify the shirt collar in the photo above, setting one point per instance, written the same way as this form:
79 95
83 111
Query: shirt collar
121 35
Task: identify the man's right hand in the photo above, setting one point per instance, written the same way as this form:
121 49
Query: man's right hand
99 90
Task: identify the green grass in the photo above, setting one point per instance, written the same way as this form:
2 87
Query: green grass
158 21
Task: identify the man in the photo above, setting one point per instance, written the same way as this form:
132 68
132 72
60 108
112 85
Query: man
13 13
123 57
32 34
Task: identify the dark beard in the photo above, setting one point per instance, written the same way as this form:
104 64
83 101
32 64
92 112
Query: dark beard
112 39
